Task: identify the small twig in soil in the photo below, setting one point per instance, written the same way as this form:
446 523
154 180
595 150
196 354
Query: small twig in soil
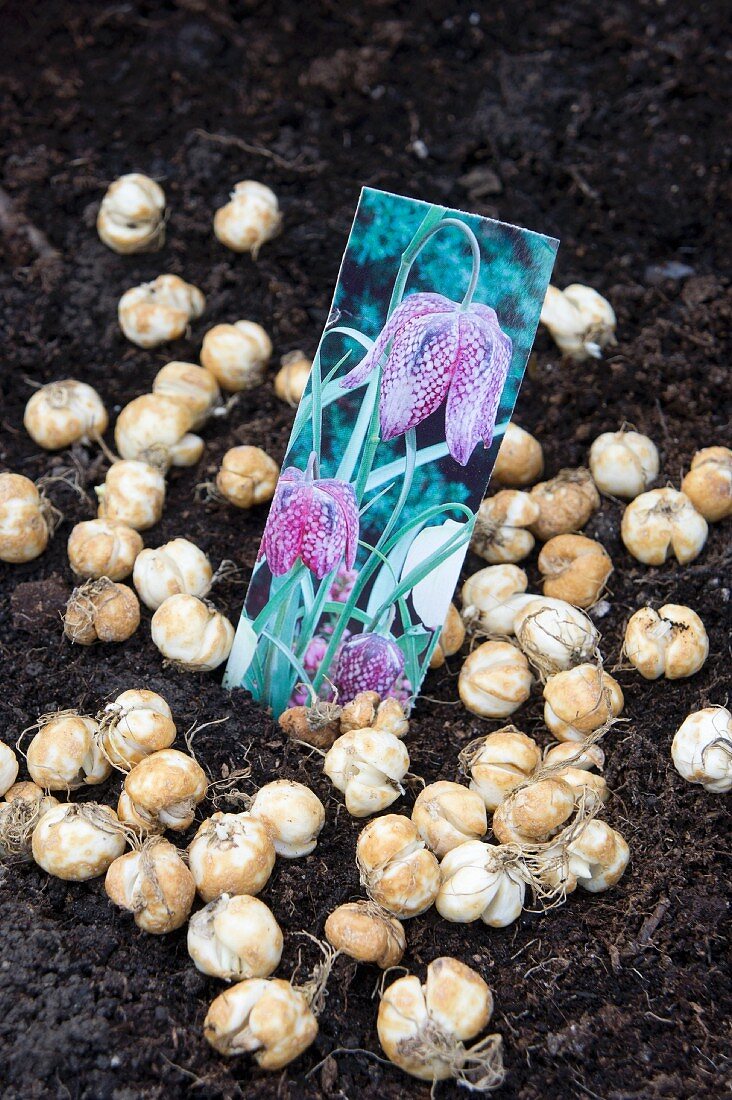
261 151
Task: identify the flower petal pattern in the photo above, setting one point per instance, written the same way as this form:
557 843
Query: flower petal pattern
367 662
439 351
475 390
315 520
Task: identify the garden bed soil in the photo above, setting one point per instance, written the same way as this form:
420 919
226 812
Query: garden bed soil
602 126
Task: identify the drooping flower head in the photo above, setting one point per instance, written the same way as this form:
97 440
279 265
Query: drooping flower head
440 352
367 662
315 519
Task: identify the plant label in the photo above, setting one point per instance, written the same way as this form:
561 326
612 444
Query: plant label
412 387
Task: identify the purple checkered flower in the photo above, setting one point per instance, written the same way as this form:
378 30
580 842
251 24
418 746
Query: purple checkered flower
367 662
315 519
440 352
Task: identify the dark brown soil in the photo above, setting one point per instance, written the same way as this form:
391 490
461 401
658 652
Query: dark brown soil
602 125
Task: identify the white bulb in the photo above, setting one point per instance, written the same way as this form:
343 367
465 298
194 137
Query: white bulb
63 413
157 312
132 215
495 680
367 766
662 522
249 219
478 884
292 814
555 635
702 749
235 938
176 567
623 464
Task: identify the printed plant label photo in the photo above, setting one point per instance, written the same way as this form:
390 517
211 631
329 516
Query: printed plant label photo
411 390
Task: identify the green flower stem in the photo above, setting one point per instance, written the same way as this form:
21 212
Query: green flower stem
392 470
281 596
271 658
290 657
375 559
410 461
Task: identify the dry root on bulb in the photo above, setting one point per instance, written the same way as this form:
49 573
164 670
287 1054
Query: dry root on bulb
580 701
481 882
157 312
78 841
249 219
267 1017
397 869
231 854
63 413
66 753
162 792
565 503
157 429
670 642
492 598
451 639
501 527
24 806
191 633
367 933
101 611
580 321
137 724
247 476
495 680
131 217
367 766
133 493
26 519
102 548
555 635
234 938
575 569
154 885
623 464
708 484
292 377
702 749
663 522
423 1029
448 814
292 814
237 355
174 568
498 763
520 459
194 387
